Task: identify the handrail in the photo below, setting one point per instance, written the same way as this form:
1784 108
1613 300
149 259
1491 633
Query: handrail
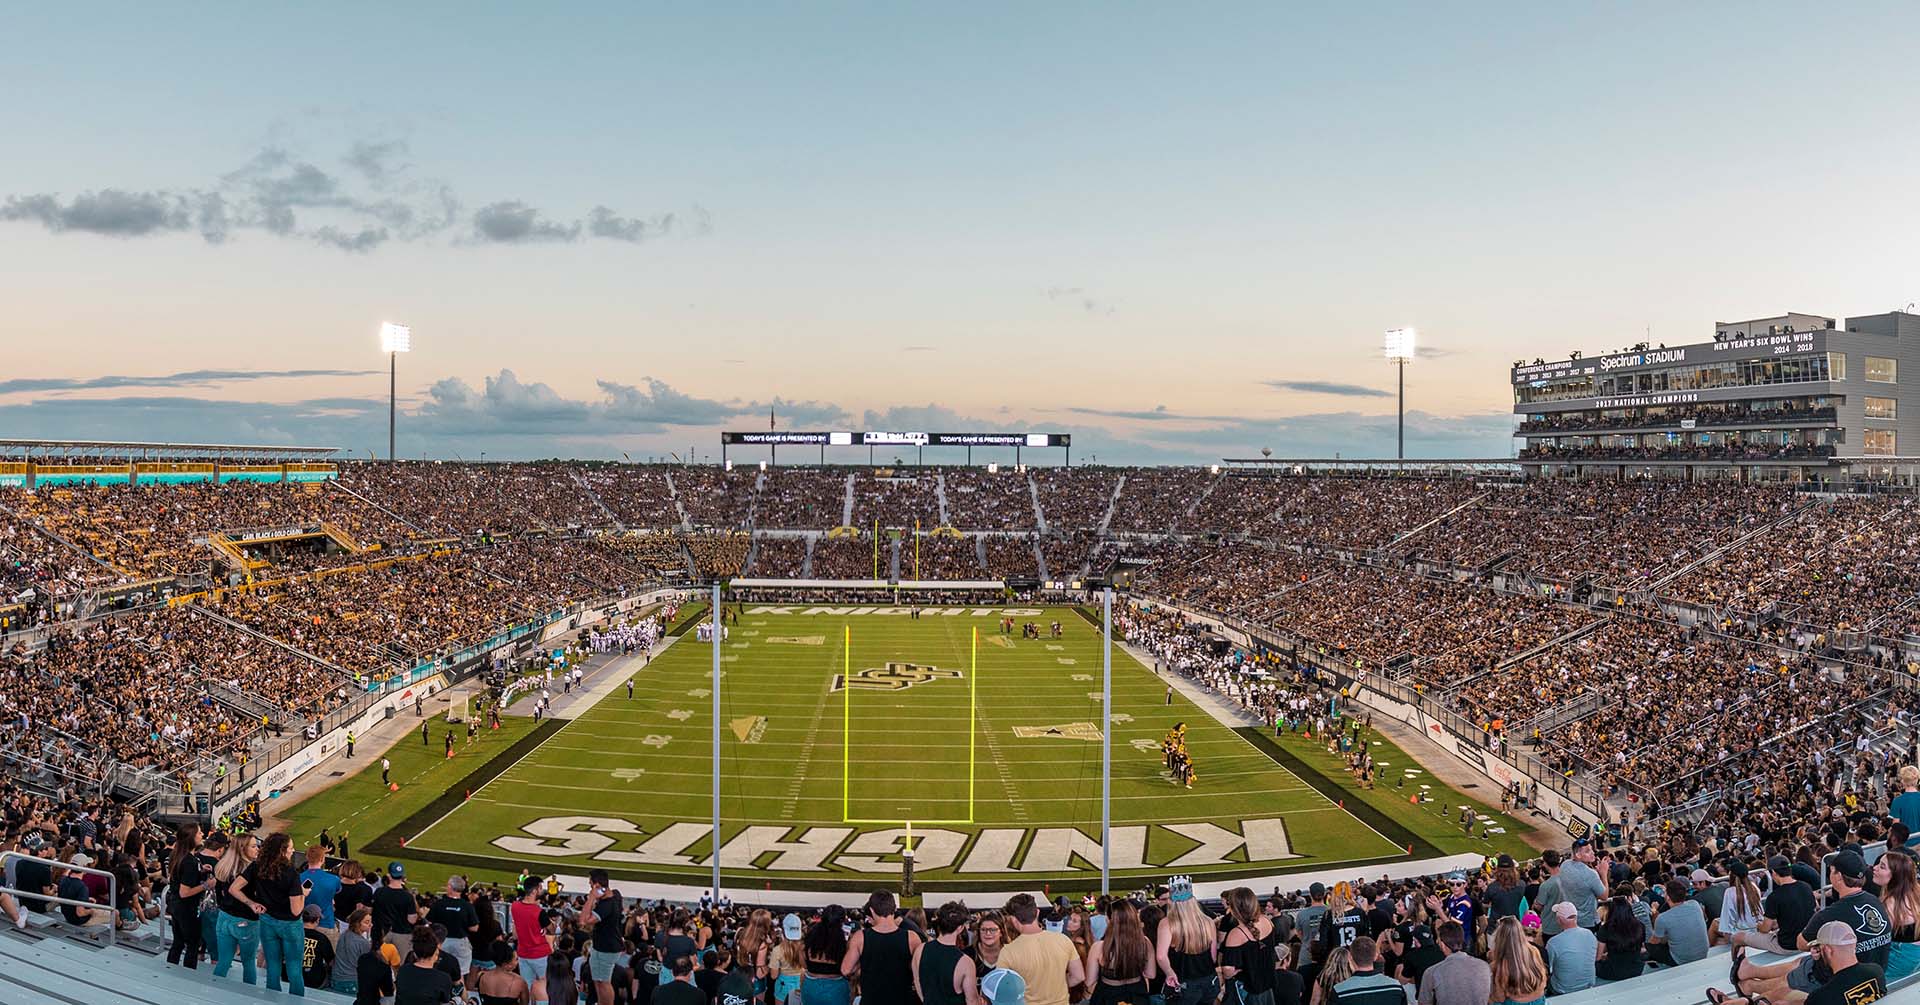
112 906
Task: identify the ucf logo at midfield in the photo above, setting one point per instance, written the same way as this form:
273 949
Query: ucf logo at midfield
893 677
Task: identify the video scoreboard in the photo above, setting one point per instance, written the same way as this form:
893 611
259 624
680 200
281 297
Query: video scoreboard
783 438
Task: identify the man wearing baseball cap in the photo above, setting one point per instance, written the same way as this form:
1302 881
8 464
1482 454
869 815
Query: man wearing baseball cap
1852 906
1834 949
1004 987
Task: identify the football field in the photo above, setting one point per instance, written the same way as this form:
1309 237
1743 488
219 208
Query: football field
841 728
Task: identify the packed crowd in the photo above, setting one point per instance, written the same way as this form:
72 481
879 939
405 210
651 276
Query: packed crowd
1011 556
718 554
148 531
778 557
896 499
801 499
136 689
852 558
1735 448
637 495
1782 875
1074 498
940 556
979 500
447 499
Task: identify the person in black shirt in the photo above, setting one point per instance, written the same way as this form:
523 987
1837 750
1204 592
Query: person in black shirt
189 875
394 911
354 892
374 978
273 883
316 959
1859 910
454 913
603 914
421 981
680 990
1784 912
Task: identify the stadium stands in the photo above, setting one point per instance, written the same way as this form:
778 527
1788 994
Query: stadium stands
1733 663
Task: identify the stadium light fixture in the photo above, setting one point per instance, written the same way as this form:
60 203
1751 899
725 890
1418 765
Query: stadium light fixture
394 340
1399 347
993 468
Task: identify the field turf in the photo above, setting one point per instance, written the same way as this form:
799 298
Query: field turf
1013 801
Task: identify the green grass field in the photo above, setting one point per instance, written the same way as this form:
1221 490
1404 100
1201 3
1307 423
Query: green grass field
809 803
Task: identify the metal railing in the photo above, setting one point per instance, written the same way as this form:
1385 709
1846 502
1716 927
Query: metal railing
110 907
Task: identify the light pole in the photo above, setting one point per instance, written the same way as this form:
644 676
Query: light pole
394 340
1399 350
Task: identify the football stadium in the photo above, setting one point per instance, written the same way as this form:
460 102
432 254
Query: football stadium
912 505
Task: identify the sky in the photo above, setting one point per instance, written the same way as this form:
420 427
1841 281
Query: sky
1175 233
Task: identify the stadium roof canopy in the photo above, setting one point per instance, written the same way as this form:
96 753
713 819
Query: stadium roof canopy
132 450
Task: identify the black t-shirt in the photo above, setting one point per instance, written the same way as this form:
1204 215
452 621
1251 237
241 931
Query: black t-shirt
1422 951
1380 918
196 869
606 925
316 959
351 896
1288 988
1856 985
1504 901
415 985
231 905
275 894
1863 912
708 981
390 909
675 992
1338 931
72 888
1790 904
456 915
36 876
374 977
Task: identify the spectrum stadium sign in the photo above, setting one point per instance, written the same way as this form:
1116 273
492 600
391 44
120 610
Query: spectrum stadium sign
894 439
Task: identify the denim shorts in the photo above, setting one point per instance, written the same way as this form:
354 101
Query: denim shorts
601 964
533 969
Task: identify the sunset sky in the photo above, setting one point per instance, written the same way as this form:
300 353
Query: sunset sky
1175 232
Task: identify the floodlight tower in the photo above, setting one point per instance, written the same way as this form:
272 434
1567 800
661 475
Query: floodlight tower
1399 349
394 340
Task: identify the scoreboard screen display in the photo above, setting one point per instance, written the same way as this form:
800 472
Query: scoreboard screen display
889 438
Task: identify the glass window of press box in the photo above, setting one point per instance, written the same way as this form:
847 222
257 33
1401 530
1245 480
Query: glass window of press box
1881 370
1735 373
1881 408
1879 443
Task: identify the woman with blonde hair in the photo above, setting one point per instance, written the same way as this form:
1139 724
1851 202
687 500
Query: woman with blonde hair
788 961
1339 967
754 948
1519 975
1186 949
238 926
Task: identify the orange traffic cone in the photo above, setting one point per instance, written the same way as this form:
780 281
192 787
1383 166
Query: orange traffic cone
393 786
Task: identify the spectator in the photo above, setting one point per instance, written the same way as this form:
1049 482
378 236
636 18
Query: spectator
1459 978
1679 930
1518 975
1046 961
1571 954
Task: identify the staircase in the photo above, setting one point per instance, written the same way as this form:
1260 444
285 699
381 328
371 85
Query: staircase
599 503
1119 486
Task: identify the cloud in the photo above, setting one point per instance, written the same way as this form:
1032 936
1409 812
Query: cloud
374 159
1328 387
376 200
505 405
1079 297
515 222
602 222
364 240
186 378
919 348
1431 352
1158 413
113 212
